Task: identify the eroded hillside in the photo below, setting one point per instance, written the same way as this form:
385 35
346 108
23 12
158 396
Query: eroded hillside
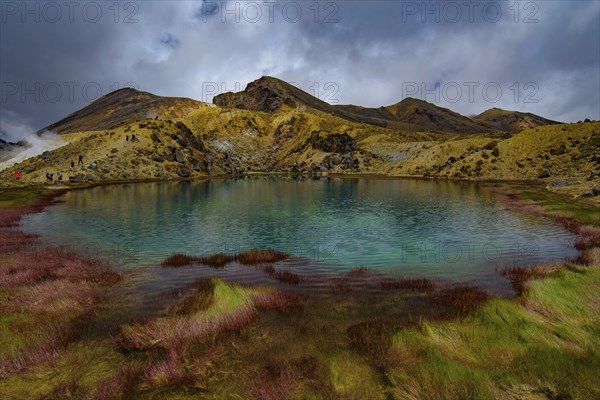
130 135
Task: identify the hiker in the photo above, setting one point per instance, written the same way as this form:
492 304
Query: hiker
18 174
72 165
133 138
49 176
127 138
80 162
60 177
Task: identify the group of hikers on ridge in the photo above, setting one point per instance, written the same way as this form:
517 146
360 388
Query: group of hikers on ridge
50 177
59 176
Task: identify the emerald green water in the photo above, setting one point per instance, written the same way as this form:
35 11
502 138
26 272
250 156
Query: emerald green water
437 229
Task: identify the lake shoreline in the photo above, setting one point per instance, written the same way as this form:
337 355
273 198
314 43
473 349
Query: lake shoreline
455 306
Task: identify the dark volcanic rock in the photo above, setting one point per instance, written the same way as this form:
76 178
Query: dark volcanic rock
77 178
179 156
333 143
558 183
184 172
591 193
561 150
169 156
545 174
157 157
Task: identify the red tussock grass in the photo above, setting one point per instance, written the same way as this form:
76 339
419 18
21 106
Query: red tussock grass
274 383
10 216
421 285
120 384
219 260
14 241
28 267
58 298
180 260
283 276
589 237
520 276
462 300
200 299
279 301
52 288
174 371
279 380
163 332
288 277
340 285
180 368
44 351
64 391
360 271
589 257
254 257
269 269
374 338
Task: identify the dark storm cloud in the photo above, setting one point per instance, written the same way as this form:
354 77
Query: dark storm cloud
544 56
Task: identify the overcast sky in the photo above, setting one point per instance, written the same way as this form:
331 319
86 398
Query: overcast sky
536 56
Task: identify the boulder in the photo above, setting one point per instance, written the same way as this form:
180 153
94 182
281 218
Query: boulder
169 156
333 143
179 156
591 193
157 158
593 175
496 152
181 140
491 145
77 178
545 174
184 172
561 150
93 165
557 183
46 155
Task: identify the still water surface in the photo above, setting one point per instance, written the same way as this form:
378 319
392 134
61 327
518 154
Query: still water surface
437 229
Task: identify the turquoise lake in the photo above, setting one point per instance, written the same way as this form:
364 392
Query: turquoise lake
402 227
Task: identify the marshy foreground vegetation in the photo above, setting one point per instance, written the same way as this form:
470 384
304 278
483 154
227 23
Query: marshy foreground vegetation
64 334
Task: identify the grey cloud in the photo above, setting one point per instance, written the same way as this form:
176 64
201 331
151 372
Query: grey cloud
184 49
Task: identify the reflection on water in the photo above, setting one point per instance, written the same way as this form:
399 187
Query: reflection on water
438 229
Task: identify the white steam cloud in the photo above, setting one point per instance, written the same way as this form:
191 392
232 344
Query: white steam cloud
14 128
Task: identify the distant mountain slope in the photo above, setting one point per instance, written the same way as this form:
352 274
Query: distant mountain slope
421 115
511 121
272 95
121 107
